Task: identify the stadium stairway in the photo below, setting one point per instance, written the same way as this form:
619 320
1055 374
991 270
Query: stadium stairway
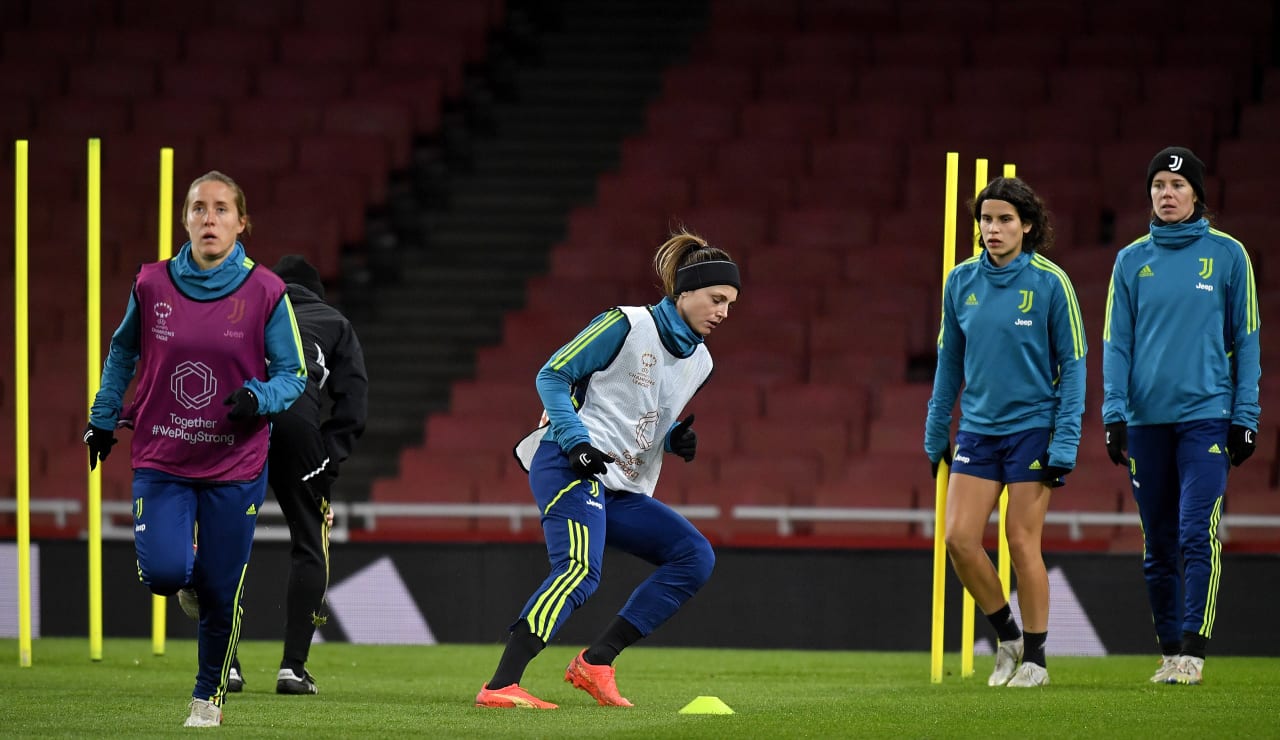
483 205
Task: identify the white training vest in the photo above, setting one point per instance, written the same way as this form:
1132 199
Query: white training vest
631 404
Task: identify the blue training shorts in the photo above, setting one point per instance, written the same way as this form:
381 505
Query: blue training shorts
1005 458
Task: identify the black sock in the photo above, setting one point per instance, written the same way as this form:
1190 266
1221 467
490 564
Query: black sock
1033 647
1194 645
298 668
1003 623
620 634
1170 649
522 647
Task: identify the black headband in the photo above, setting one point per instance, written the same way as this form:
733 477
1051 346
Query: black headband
701 274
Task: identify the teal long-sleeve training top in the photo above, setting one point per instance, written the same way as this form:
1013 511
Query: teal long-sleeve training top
561 380
1180 341
1014 337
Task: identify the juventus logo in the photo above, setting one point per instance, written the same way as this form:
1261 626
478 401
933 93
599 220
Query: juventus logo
237 311
1028 297
1206 267
1175 163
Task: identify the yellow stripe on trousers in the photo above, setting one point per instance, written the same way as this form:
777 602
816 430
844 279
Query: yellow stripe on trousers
542 618
1215 572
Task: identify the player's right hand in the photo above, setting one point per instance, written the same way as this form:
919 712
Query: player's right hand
587 461
933 464
1118 442
100 442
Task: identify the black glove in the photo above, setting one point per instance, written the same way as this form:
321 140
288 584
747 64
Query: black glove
100 442
1241 442
587 461
1051 474
933 464
684 441
244 405
1118 442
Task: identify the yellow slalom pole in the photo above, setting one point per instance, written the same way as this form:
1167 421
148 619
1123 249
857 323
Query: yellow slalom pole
969 607
1003 559
94 333
22 410
940 485
165 252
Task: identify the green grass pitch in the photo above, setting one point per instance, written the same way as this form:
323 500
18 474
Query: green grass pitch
389 691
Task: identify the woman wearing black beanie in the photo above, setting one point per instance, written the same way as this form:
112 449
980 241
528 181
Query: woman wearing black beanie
1180 370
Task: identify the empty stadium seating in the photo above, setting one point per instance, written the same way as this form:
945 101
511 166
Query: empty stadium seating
807 138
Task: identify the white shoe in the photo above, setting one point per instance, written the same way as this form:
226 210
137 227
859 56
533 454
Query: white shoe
1168 666
1029 674
1008 655
189 602
1188 672
204 714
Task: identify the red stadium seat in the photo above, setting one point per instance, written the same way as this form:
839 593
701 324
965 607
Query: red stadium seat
898 417
1261 121
63 45
803 82
881 120
727 401
246 46
83 117
852 158
845 190
186 116
665 156
1063 119
831 47
846 16
1094 85
223 80
709 82
389 120
738 228
302 83
708 120
273 155
978 81
967 124
340 15
898 482
843 401
310 48
786 119
348 154
747 47
774 442
550 293
768 481
1095 487
761 195
885 83
1042 51
341 196
802 264
825 228
923 48
137 45
758 157
32 78
754 15
471 433
942 15
1112 49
